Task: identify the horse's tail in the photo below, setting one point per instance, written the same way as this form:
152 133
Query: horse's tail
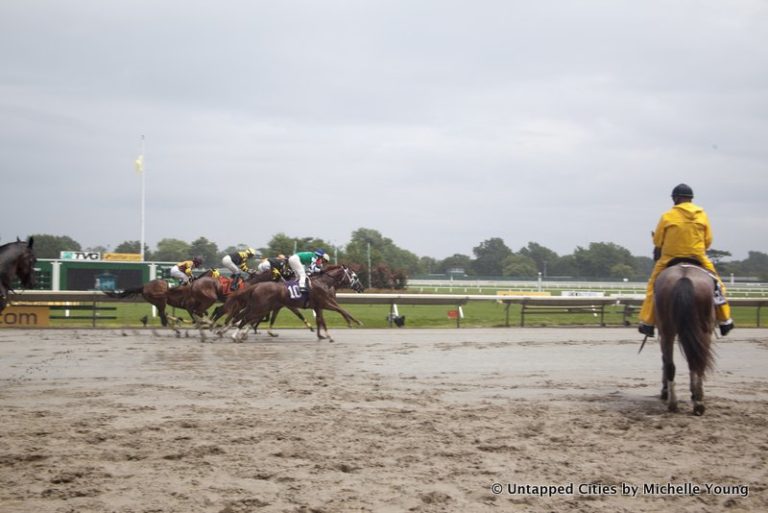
692 326
125 293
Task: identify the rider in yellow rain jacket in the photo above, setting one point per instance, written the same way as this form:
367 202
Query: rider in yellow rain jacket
683 232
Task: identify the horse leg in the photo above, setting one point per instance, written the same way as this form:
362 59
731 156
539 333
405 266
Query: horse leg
668 372
172 323
303 319
334 307
697 393
240 333
200 323
272 319
322 326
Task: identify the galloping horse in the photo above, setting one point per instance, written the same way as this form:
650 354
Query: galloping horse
195 297
235 305
232 304
17 260
685 309
271 297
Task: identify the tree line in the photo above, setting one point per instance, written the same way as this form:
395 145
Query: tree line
389 266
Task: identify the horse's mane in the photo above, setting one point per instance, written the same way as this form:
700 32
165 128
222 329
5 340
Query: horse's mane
5 246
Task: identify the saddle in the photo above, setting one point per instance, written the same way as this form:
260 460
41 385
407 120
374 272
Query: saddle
718 298
684 260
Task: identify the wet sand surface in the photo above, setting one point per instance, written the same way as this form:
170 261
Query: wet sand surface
381 420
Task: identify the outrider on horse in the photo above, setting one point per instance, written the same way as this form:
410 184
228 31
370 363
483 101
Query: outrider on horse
270 297
17 261
196 298
685 309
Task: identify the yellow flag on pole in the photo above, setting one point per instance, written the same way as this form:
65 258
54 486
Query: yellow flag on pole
139 164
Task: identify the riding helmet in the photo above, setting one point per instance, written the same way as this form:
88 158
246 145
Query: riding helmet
198 260
682 191
320 253
251 251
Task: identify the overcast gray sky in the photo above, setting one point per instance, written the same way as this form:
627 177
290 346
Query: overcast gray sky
438 123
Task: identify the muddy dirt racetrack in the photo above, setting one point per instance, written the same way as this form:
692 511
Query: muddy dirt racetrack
382 420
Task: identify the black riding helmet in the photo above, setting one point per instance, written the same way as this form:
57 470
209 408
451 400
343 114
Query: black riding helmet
682 191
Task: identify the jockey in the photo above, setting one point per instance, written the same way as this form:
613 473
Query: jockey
276 265
183 270
237 262
312 260
682 232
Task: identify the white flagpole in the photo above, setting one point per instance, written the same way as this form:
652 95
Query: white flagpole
143 190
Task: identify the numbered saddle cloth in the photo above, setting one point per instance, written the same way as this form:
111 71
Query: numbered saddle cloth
295 292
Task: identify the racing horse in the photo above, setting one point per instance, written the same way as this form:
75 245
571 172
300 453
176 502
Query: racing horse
196 298
17 260
270 297
684 295
236 303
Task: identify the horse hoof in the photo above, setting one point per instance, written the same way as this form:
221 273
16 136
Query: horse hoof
698 410
673 407
664 395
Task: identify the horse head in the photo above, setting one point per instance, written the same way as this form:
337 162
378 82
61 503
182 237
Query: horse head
20 262
353 280
340 276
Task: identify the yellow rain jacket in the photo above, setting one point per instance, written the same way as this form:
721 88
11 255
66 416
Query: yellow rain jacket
683 231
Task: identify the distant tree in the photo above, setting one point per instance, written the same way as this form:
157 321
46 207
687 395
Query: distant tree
519 266
456 261
621 271
206 249
383 250
51 246
132 246
427 265
717 255
565 267
283 244
381 277
97 249
756 264
489 256
545 258
399 279
642 267
597 260
172 250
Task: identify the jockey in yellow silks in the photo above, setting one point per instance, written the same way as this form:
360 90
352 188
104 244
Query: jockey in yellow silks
683 232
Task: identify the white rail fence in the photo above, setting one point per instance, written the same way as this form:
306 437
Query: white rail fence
530 305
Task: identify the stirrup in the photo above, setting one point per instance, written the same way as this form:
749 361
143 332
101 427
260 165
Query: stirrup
726 327
646 329
719 298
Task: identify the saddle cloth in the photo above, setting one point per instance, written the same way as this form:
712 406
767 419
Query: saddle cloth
718 298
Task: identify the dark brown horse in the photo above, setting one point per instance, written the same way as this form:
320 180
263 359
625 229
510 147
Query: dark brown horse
17 261
196 298
270 297
235 304
235 300
685 310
